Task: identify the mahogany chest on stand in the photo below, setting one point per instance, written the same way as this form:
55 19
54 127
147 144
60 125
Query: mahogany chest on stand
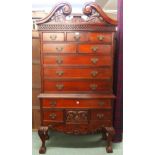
77 57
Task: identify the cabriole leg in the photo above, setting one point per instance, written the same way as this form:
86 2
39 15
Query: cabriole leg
43 134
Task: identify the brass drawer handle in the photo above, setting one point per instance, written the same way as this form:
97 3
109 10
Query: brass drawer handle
53 103
60 73
94 60
93 86
100 38
101 103
100 116
53 116
94 73
53 36
59 86
77 37
94 49
59 60
59 48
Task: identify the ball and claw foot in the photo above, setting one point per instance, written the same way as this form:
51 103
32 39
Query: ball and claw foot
43 134
110 132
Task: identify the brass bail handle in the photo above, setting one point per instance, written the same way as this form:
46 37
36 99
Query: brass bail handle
77 37
100 38
53 36
59 86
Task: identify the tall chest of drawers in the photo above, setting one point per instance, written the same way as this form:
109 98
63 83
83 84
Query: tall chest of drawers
77 57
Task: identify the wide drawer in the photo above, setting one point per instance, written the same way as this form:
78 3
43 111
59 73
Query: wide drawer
99 115
77 103
53 36
77 36
71 60
95 48
87 85
59 48
53 115
100 37
62 72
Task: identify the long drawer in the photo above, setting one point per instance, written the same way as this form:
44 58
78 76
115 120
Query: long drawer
62 72
77 103
87 85
73 60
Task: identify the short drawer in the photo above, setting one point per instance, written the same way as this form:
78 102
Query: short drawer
53 36
77 36
59 48
77 103
95 48
104 85
98 115
53 115
62 72
100 37
74 60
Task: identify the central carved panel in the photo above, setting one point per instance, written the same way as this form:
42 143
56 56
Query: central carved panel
74 116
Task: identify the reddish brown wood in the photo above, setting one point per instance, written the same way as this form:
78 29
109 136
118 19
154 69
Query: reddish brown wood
59 48
84 73
53 36
77 36
77 71
53 115
80 60
77 85
100 37
77 103
101 115
95 48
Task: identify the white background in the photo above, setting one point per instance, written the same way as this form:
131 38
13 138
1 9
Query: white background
16 75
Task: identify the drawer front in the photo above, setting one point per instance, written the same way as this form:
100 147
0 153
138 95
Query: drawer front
61 72
95 48
59 48
53 36
77 103
100 37
98 115
77 36
77 85
78 60
53 115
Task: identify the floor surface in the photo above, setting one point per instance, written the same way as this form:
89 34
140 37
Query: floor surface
62 144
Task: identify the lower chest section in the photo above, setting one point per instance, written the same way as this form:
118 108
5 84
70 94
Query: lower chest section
77 115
